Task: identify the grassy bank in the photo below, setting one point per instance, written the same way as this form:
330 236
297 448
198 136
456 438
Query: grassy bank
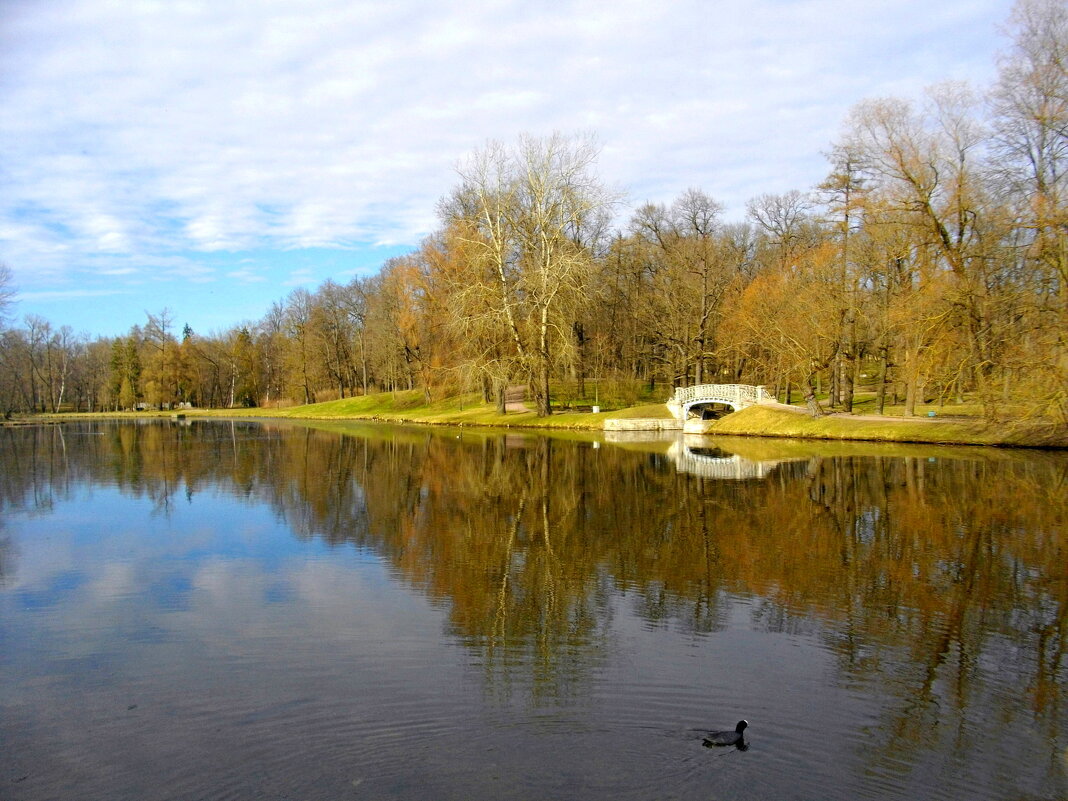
410 407
394 407
864 403
770 422
469 410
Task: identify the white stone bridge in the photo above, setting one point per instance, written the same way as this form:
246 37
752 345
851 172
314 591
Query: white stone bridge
737 396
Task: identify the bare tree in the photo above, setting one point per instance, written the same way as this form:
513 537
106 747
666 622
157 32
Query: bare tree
696 267
1030 138
843 190
7 294
787 221
298 313
355 303
531 209
928 166
162 379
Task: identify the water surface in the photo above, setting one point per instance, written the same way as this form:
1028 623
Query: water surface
256 610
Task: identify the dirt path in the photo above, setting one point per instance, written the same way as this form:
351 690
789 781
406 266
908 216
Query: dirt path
878 418
942 418
514 398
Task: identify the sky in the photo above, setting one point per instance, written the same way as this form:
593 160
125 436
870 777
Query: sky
209 157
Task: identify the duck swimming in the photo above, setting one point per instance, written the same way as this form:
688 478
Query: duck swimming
727 737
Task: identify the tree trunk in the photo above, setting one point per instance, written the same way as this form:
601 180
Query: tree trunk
835 388
363 363
542 392
813 405
849 364
580 360
910 396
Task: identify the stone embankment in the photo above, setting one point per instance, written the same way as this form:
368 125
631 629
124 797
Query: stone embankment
643 424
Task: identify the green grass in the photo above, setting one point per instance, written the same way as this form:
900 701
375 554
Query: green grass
469 410
410 407
864 403
656 411
770 422
764 448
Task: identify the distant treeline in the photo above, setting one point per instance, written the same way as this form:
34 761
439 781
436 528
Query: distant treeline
931 262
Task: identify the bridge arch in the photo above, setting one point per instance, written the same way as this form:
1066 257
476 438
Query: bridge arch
736 396
692 405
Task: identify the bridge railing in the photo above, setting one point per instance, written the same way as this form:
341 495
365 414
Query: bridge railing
737 393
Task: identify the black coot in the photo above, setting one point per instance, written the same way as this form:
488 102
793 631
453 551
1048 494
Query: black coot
727 737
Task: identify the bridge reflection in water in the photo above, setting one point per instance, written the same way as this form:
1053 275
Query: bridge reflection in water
711 462
697 455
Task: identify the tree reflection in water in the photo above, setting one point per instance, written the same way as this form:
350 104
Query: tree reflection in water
932 573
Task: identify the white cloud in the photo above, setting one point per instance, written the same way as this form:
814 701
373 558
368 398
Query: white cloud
246 275
301 277
70 294
135 131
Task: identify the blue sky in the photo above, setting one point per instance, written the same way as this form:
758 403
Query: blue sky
209 157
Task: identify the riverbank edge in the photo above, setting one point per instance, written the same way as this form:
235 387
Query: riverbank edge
762 421
755 421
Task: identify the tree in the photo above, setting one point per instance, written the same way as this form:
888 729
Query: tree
355 301
928 168
332 327
270 344
787 222
473 326
779 319
1030 138
529 212
693 273
402 324
7 294
125 381
297 321
161 370
843 189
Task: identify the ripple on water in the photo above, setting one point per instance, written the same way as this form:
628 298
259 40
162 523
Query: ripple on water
274 635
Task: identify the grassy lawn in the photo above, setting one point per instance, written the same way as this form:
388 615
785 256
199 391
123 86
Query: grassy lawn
650 411
408 406
963 426
864 403
770 422
411 406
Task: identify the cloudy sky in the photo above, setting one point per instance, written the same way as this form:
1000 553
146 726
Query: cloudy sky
210 156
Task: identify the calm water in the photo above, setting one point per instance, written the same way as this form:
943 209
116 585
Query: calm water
218 610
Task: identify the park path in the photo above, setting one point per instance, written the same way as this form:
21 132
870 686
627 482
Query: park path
514 398
878 418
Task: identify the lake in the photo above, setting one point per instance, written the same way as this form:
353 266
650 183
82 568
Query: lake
225 609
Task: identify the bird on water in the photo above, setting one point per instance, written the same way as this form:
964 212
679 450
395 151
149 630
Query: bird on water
727 737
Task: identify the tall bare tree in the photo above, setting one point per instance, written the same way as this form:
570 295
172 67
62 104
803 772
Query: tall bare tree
7 294
1029 103
843 190
528 209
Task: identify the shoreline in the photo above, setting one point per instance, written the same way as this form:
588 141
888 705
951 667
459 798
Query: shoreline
755 421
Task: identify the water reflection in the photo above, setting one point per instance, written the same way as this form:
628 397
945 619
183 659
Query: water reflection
934 581
700 456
